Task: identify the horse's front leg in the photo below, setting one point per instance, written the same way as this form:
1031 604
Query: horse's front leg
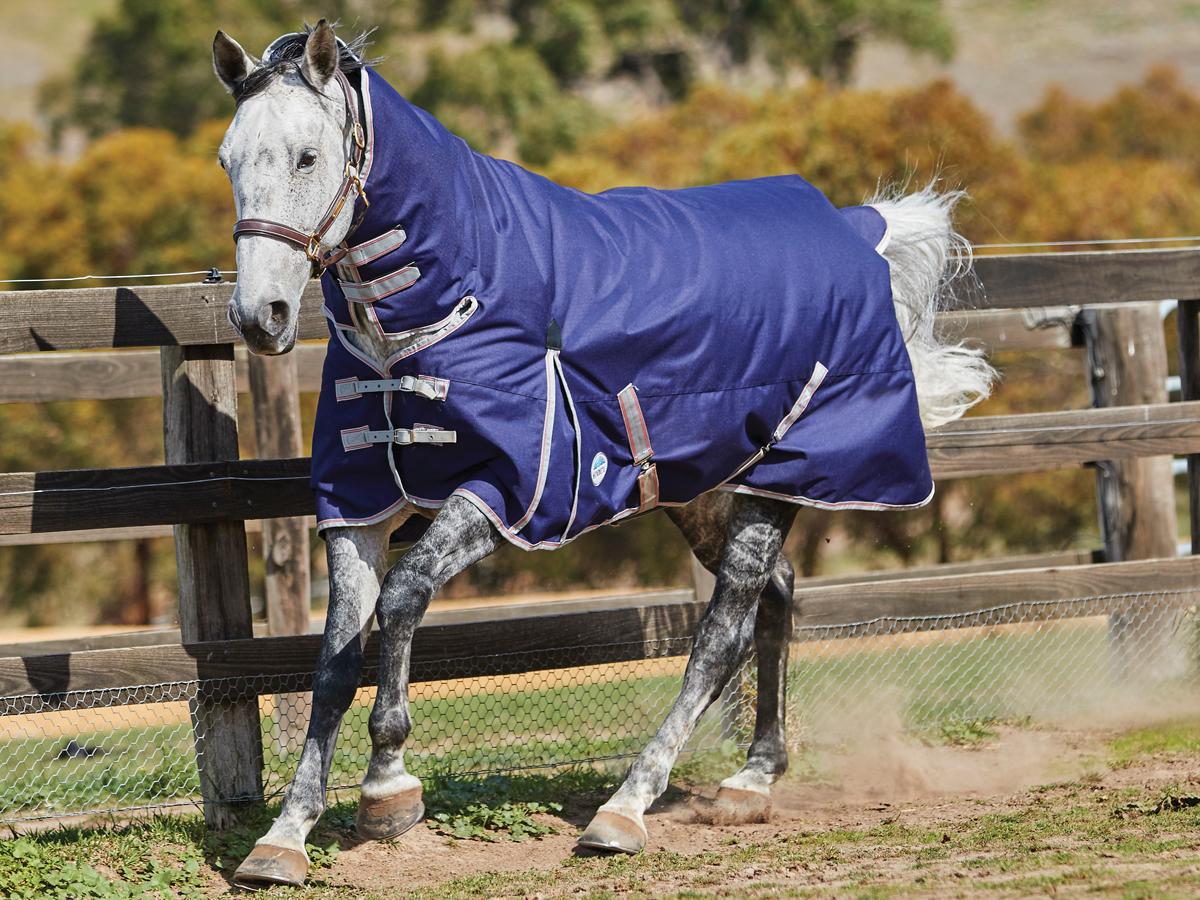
356 561
459 536
757 528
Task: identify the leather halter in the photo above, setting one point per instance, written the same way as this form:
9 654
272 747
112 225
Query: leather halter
312 243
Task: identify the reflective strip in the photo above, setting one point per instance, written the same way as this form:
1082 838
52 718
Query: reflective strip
369 251
358 438
421 385
648 488
547 437
371 291
566 388
801 404
797 410
635 425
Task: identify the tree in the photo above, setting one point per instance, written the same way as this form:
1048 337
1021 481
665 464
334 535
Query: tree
148 62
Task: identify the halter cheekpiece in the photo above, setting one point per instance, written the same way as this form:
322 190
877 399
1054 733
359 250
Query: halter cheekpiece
313 242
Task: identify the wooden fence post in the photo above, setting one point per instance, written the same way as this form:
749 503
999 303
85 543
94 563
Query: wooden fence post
1127 365
200 425
275 390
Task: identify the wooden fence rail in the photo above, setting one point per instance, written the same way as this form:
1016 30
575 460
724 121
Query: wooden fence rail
504 640
197 493
1015 302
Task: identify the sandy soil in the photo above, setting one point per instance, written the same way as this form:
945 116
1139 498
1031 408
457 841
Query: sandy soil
894 780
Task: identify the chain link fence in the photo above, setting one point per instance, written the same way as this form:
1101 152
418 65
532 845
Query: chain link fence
84 752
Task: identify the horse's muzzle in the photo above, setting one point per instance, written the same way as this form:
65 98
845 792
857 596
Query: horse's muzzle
271 331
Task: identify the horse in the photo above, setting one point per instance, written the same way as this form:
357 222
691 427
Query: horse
512 361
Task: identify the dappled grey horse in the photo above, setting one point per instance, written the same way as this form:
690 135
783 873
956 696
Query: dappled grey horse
520 362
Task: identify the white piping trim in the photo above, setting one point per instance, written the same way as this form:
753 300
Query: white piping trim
368 520
404 335
364 86
432 335
562 377
801 404
824 504
887 234
547 441
785 425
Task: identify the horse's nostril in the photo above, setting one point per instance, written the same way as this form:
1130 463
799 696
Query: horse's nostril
279 315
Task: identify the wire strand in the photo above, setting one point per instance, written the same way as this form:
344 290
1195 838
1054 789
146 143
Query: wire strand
1016 245
115 277
1191 238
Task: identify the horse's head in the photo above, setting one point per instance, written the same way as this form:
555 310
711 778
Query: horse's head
287 154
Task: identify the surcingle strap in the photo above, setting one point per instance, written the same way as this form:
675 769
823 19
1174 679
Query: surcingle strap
374 291
360 438
422 385
635 425
639 446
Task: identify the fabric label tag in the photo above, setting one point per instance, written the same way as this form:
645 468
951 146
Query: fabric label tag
599 468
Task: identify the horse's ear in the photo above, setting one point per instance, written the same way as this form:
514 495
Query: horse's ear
231 63
320 55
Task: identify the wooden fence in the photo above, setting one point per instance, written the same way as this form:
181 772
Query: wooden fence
176 341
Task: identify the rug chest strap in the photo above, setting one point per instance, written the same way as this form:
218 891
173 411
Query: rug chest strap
639 446
359 438
421 385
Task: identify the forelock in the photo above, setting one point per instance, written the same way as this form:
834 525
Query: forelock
286 57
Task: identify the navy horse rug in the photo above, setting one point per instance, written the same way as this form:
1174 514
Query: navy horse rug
564 360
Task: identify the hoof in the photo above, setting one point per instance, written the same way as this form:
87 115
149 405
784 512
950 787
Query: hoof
267 865
380 818
737 806
613 832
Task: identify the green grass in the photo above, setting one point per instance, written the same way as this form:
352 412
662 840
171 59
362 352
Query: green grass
944 692
1174 737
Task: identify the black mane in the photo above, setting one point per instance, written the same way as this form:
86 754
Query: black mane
287 56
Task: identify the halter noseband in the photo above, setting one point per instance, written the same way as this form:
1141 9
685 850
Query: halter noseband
312 243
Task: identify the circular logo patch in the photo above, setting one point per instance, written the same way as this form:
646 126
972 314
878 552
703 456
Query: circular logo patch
599 468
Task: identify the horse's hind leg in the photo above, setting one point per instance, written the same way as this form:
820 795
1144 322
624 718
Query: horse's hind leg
745 796
755 534
356 558
459 536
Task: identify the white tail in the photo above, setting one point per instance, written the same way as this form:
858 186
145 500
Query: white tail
925 254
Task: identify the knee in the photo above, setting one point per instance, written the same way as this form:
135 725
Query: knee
403 597
337 678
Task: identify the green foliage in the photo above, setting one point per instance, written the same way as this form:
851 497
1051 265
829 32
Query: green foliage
495 821
141 67
74 863
504 807
501 91
149 62
824 36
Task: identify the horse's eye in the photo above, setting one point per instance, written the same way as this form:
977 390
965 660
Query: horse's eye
308 159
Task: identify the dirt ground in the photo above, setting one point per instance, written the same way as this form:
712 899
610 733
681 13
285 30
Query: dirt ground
893 817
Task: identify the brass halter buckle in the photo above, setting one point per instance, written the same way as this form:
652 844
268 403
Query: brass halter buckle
313 248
